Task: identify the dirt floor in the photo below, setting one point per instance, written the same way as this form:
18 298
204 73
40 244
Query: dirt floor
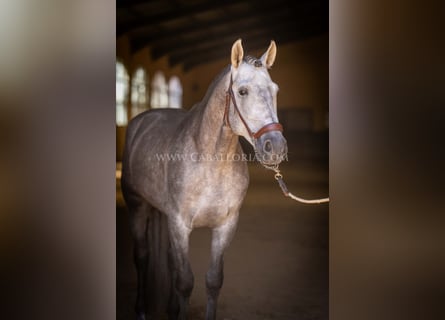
277 264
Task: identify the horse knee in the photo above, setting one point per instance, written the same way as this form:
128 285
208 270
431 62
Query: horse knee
214 281
184 282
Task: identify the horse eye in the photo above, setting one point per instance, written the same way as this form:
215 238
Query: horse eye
242 91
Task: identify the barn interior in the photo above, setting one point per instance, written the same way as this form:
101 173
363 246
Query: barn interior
167 54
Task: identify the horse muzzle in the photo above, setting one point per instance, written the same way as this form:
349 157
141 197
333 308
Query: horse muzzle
271 147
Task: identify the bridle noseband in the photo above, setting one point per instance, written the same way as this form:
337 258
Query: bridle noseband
274 126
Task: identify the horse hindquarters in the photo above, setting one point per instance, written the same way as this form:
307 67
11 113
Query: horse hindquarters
151 244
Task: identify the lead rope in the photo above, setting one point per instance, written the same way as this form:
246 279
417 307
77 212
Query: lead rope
279 177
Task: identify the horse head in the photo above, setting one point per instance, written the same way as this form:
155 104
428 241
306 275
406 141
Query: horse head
253 97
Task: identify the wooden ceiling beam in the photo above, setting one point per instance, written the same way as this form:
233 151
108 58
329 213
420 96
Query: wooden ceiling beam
224 43
177 12
257 27
217 54
262 9
199 32
173 40
209 36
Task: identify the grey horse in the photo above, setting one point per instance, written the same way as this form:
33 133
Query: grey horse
182 170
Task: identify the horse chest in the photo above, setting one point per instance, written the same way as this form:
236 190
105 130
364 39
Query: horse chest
212 201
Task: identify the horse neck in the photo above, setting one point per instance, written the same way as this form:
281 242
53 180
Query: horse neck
212 136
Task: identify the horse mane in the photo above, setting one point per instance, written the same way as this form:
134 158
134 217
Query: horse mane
213 84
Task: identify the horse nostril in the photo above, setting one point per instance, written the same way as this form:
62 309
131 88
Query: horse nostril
268 146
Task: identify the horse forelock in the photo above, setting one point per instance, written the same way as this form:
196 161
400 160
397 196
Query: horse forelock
253 61
247 59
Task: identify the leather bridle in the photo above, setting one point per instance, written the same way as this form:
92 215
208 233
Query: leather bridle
274 126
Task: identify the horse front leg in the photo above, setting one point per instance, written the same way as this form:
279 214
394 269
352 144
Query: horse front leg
221 238
183 275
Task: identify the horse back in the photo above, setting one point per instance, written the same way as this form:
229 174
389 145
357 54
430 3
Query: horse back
155 123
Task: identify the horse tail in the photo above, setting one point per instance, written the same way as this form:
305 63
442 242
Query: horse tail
158 274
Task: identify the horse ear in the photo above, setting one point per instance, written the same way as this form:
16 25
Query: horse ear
237 53
268 57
